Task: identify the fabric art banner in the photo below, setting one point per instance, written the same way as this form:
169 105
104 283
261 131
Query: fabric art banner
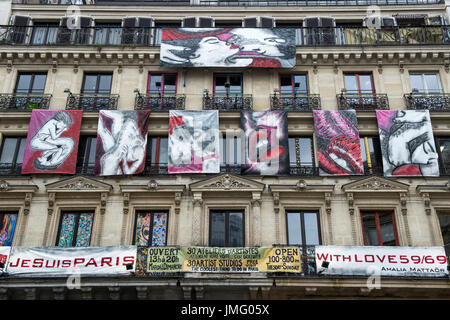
213 259
4 257
338 146
52 141
228 47
121 142
194 142
266 142
407 143
57 261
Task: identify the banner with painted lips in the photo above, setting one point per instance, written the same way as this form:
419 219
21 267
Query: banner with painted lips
58 261
382 261
213 259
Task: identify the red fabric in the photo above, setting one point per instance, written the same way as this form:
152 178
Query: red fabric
175 121
177 34
407 170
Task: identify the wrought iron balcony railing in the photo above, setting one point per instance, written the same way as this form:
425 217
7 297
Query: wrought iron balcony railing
303 170
152 169
362 101
92 102
22 102
233 2
306 102
347 36
159 102
9 169
232 102
433 102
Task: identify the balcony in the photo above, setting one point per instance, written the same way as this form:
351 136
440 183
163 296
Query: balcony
345 36
155 102
362 101
265 3
92 102
301 102
22 102
231 103
431 101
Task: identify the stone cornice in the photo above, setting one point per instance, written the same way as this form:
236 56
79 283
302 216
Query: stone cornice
227 182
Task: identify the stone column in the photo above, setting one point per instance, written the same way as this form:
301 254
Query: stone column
256 218
196 219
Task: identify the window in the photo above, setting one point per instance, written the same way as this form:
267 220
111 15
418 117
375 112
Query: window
151 228
230 154
75 229
228 84
303 228
107 33
359 83
30 84
157 155
371 155
294 92
162 83
426 83
443 145
301 156
86 155
11 156
444 222
96 91
7 227
379 228
226 228
44 33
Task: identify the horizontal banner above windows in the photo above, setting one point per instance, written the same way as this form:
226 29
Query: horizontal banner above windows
214 259
381 261
57 261
228 47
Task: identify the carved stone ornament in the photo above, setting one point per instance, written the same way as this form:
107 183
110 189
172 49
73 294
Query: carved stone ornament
301 185
227 182
375 184
152 185
4 186
79 184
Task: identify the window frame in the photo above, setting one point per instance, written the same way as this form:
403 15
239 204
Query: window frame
444 170
161 89
82 160
302 231
75 236
31 84
378 168
298 164
152 212
378 228
14 163
358 82
97 83
227 226
422 74
292 76
227 90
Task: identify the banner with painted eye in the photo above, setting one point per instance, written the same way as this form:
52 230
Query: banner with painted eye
121 142
228 47
52 141
407 143
266 142
193 141
338 146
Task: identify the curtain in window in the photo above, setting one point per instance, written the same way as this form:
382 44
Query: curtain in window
71 235
7 227
159 229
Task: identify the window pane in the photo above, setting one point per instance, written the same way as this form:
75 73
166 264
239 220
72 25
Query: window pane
292 152
223 151
300 84
38 35
217 229
350 83
370 230
163 150
39 84
23 83
305 145
7 228
444 147
387 229
90 84
365 84
21 150
142 229
159 236
8 150
286 84
444 222
219 84
84 229
67 230
155 83
170 84
235 84
311 228
433 83
104 86
362 143
236 231
92 150
417 82
294 228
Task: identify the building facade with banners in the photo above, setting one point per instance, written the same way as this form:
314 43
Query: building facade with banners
224 149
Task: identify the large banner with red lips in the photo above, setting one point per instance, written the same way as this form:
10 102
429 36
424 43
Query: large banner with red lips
52 141
266 142
338 145
228 47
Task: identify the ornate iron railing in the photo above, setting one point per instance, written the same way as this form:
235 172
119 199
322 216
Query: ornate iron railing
20 102
303 170
314 2
9 169
92 102
152 169
305 102
160 102
434 102
228 103
362 101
